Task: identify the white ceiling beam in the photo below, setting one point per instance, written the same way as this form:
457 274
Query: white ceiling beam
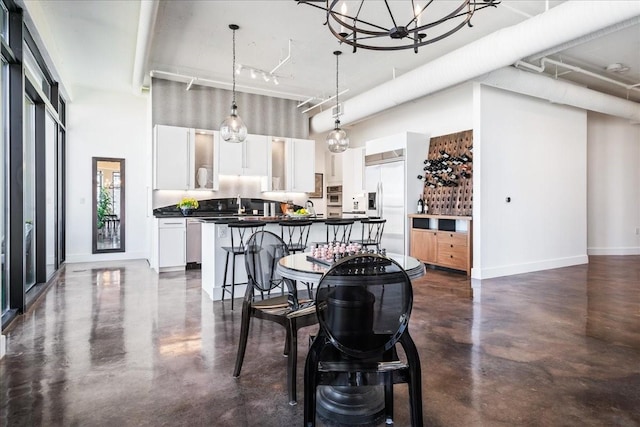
146 24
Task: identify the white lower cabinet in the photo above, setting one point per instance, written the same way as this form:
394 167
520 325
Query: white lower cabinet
172 243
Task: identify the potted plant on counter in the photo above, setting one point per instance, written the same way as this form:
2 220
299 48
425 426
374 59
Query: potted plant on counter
187 205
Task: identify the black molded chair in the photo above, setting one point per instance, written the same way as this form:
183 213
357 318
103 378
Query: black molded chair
372 229
295 234
262 253
363 303
240 232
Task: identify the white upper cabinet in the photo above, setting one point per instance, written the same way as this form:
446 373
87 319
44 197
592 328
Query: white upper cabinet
174 152
301 165
184 159
291 165
248 158
353 178
333 167
205 171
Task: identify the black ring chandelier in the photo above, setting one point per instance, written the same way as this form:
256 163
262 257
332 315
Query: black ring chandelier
417 27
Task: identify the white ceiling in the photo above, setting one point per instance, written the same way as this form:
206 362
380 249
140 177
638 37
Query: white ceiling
94 44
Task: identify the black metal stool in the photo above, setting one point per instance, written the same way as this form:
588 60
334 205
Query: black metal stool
372 229
295 234
338 231
240 232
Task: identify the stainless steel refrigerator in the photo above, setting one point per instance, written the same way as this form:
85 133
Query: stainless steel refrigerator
385 185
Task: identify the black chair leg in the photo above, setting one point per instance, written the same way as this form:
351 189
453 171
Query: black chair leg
224 280
244 335
311 383
310 289
388 397
233 279
287 344
415 379
292 337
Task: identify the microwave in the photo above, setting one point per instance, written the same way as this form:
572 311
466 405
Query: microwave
332 189
334 199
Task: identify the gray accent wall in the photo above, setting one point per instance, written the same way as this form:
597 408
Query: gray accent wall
204 107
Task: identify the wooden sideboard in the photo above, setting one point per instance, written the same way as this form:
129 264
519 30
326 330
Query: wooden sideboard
442 240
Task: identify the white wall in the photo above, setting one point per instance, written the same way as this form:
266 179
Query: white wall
613 198
106 124
534 152
442 113
439 114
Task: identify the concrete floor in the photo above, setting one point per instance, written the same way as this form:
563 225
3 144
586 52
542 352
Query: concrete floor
113 344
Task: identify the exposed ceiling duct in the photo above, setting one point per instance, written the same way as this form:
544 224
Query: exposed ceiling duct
566 22
561 92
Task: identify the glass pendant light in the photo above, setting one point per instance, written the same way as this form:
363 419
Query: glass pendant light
233 128
337 140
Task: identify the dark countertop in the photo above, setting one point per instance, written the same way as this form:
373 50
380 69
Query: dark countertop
223 218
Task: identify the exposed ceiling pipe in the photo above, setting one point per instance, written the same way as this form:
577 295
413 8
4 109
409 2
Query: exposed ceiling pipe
146 23
561 92
560 64
568 21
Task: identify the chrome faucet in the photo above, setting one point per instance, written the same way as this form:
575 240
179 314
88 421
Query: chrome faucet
239 201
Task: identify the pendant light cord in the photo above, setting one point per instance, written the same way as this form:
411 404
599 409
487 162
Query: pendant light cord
233 71
337 53
337 101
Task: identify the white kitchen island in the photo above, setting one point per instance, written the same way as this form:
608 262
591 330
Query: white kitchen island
215 235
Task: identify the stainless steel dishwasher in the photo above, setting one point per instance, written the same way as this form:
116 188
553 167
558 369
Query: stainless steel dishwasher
194 243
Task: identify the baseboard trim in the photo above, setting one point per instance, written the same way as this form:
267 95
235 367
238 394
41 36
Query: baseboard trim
614 251
113 256
509 270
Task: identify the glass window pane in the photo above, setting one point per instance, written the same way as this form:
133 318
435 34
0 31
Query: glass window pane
4 22
3 193
51 200
34 72
29 192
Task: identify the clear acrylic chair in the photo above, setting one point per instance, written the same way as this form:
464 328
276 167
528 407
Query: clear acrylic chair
262 253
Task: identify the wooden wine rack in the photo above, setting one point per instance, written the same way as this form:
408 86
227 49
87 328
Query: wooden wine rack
452 200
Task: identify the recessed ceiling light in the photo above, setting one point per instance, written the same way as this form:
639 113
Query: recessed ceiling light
617 67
